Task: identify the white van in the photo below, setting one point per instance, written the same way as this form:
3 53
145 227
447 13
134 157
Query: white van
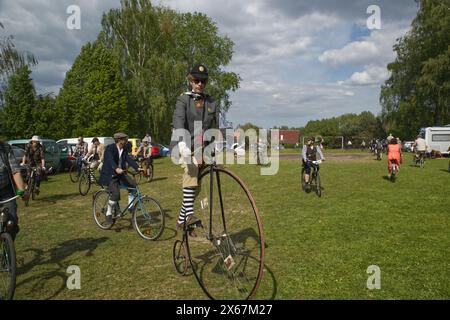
437 138
73 141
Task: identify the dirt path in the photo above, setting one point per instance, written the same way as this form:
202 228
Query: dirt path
331 156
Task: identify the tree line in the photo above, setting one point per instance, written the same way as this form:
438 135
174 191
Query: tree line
128 79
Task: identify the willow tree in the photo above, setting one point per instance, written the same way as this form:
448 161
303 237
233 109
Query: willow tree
156 46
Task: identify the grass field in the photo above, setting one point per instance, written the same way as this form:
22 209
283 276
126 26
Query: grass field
316 248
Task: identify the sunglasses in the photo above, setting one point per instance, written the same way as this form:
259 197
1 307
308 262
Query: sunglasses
197 81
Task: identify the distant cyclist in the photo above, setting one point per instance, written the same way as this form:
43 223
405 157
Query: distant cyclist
378 149
34 157
96 151
309 154
420 147
394 154
81 149
145 153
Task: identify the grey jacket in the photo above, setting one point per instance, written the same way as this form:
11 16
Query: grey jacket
191 107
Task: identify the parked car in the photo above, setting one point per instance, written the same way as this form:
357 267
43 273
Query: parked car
163 150
408 146
18 154
51 152
155 150
66 157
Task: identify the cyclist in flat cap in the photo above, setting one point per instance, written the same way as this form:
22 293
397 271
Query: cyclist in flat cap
113 172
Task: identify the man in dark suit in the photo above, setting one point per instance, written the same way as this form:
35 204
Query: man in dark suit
113 173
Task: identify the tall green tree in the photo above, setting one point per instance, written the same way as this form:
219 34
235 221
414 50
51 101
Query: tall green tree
11 60
16 115
92 99
47 119
418 89
156 47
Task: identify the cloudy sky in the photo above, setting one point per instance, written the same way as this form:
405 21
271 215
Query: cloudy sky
299 60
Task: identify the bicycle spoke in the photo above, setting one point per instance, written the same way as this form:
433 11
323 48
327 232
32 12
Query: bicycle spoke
227 253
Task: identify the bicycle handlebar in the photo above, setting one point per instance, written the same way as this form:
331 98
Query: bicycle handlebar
9 200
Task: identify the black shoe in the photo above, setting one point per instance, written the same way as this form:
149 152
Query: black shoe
192 219
308 187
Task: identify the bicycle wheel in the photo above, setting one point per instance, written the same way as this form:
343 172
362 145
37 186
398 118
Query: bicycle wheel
150 173
148 218
29 190
393 174
99 209
73 173
227 252
84 184
302 178
33 187
137 176
7 267
318 186
180 257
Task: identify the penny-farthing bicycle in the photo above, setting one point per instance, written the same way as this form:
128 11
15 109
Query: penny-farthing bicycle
226 249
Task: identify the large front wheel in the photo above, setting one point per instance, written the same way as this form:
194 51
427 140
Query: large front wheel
7 267
227 252
148 218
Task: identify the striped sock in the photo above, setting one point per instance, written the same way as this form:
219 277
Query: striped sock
187 207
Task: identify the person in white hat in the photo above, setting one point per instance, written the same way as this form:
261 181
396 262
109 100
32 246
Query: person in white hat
34 157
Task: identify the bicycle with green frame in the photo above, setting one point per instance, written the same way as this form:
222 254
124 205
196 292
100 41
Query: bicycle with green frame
225 249
147 215
7 255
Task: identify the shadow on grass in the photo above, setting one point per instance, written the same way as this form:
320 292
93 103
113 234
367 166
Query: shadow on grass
445 170
58 197
158 179
55 261
168 234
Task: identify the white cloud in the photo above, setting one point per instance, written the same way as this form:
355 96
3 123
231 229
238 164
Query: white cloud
355 53
372 75
287 52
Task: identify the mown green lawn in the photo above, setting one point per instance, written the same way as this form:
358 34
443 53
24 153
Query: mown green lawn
316 248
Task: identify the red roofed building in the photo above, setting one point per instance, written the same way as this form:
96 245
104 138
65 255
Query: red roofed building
289 136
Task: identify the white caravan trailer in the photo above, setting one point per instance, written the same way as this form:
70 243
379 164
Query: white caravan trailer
437 138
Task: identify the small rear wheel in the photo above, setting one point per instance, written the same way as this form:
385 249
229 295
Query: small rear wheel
180 257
